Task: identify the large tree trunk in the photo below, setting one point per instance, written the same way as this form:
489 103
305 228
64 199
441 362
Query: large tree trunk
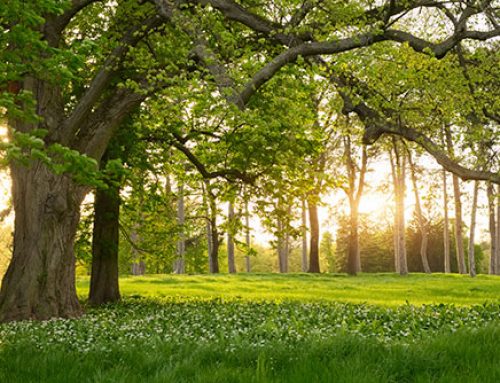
459 241
446 227
104 276
472 259
421 220
304 237
492 229
314 244
40 280
231 265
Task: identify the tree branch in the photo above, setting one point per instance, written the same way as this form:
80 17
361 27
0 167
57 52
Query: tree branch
103 77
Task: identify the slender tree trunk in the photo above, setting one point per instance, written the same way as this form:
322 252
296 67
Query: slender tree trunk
138 265
104 286
354 253
398 164
304 237
204 186
354 256
179 264
395 236
472 259
493 229
40 280
498 232
403 267
247 237
314 244
230 242
213 231
422 222
446 227
459 241
399 192
281 247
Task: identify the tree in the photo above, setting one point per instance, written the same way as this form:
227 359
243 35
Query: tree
472 261
398 166
422 221
53 92
459 242
354 195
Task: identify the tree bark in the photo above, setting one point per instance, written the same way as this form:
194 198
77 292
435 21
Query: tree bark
459 241
446 227
493 229
304 237
354 196
472 259
422 222
399 176
395 235
314 241
104 287
179 264
282 247
247 237
498 231
230 242
214 242
40 280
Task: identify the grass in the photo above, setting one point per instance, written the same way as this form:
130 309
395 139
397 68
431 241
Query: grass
269 328
378 289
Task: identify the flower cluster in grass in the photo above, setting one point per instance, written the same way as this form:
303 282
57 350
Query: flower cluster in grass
236 323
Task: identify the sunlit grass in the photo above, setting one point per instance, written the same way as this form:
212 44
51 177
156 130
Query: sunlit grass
379 289
269 328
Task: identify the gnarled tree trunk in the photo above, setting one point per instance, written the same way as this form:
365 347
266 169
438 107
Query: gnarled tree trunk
40 280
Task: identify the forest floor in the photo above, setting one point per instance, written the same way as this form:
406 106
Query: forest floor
269 328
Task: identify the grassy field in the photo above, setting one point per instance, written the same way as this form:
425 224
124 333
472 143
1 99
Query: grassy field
269 328
377 289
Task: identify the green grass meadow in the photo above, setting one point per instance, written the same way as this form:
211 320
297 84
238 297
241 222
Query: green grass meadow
378 289
269 328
